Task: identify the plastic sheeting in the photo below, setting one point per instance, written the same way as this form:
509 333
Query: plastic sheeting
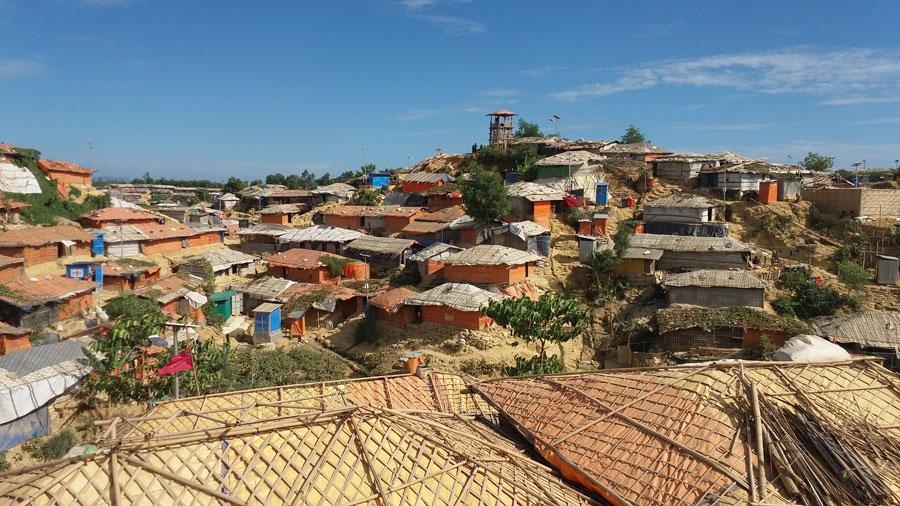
36 423
807 348
15 179
21 396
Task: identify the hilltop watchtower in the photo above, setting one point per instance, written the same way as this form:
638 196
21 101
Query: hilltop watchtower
501 128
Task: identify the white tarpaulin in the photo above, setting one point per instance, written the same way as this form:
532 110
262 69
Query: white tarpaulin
806 348
15 179
196 300
20 396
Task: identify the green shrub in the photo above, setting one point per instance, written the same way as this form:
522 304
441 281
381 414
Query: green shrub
4 463
255 368
765 350
810 300
52 447
851 250
528 366
852 274
129 305
784 306
335 264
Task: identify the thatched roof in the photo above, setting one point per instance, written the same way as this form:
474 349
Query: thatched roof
876 329
682 200
714 279
681 317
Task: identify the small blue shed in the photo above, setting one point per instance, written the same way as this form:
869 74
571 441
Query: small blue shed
602 193
379 179
98 246
267 323
86 270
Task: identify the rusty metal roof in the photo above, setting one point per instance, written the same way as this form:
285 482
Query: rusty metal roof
123 214
169 288
63 166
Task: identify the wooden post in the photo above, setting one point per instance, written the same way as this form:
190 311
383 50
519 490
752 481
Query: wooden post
760 446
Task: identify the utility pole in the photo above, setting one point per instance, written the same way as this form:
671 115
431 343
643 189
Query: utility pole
368 274
365 160
175 344
555 119
856 166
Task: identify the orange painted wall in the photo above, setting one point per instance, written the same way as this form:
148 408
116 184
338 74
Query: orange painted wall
77 303
542 213
448 316
351 222
162 246
69 178
10 273
277 219
397 223
171 307
204 239
403 316
10 344
319 275
489 274
356 270
768 192
433 267
751 337
467 235
40 254
416 187
123 284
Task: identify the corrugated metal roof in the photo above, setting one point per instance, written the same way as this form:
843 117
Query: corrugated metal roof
114 234
320 233
637 148
157 232
634 253
383 245
529 228
223 258
876 329
337 189
570 158
459 296
492 254
267 229
425 227
534 192
714 279
46 355
682 200
266 287
687 243
372 211
447 214
425 177
433 250
169 288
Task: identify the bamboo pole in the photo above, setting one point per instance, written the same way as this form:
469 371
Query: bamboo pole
760 454
185 482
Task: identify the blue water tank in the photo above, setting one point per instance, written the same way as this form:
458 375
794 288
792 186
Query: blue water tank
602 193
97 245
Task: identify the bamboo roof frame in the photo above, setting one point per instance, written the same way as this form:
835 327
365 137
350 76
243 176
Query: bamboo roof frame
595 427
349 456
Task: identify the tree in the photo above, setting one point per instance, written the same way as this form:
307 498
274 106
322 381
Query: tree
367 168
364 197
633 136
234 185
484 194
277 178
324 179
552 319
817 162
853 275
527 129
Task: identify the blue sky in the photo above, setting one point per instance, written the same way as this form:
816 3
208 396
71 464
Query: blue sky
212 89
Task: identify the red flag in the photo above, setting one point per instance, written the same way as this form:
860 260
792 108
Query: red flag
183 361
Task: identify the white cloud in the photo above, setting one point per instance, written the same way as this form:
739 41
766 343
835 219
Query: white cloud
878 121
862 100
13 68
863 74
453 25
502 93
542 71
